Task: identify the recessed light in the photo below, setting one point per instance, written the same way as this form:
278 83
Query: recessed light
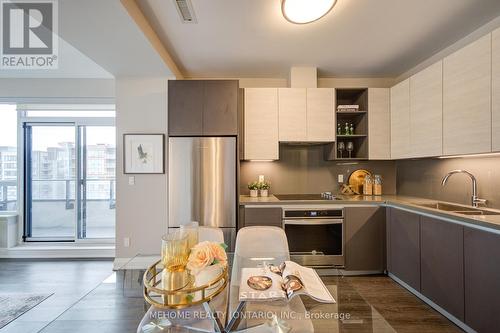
305 11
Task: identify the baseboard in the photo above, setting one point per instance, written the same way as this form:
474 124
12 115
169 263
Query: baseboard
53 252
436 307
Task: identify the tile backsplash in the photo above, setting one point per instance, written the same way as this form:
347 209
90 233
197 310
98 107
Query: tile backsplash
302 169
422 178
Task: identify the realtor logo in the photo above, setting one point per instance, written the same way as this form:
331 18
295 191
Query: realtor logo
29 34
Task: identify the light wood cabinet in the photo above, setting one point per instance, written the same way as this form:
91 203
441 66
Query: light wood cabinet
495 80
261 124
467 99
379 124
400 120
306 115
320 115
426 112
292 114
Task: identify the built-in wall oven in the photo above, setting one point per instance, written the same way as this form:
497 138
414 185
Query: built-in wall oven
315 236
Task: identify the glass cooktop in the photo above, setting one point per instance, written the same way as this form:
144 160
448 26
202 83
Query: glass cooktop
303 197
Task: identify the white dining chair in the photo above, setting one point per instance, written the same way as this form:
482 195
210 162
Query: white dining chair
269 244
210 234
260 239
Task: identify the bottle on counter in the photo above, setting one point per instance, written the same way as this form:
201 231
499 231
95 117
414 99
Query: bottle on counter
368 185
377 185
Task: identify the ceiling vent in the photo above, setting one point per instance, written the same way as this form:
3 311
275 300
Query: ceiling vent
185 10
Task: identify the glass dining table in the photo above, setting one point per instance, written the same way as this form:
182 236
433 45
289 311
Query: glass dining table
225 313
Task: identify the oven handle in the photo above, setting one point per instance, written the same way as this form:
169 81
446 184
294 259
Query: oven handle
313 222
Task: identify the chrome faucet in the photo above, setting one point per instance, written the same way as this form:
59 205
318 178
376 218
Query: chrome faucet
475 200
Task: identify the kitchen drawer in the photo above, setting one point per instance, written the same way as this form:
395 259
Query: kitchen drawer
265 216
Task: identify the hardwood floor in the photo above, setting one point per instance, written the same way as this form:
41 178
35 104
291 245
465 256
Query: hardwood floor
89 297
400 308
69 280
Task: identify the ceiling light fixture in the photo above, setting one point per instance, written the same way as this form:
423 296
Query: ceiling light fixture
305 11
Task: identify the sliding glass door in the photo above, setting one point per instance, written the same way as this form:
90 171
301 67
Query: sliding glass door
50 181
69 181
97 182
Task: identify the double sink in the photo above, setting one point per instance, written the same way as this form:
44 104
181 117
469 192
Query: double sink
446 207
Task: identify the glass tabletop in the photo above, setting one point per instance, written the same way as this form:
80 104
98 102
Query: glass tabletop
300 314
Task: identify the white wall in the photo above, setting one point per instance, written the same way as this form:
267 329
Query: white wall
57 90
141 209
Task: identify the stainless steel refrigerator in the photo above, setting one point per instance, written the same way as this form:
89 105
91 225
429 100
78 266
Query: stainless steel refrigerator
202 183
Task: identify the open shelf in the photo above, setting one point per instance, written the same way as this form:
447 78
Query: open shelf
352 112
352 136
359 119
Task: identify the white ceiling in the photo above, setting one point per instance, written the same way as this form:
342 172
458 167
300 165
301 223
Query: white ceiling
103 30
98 39
250 38
72 64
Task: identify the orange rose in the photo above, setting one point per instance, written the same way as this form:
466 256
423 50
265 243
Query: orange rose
201 256
219 253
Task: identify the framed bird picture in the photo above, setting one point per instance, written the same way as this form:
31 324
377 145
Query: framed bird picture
143 153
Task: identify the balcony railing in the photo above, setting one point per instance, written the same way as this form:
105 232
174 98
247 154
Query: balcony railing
8 203
59 190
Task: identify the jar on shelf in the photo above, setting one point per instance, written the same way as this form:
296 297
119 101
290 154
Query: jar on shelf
368 185
377 185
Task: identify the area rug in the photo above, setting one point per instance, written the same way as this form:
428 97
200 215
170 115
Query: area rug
14 305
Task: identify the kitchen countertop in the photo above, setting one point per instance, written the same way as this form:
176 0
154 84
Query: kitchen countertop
404 202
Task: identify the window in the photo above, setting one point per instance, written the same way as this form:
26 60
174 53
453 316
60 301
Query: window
69 172
8 157
69 110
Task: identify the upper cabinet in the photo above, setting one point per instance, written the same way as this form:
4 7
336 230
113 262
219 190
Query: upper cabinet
220 109
320 115
261 124
495 103
379 122
202 107
306 115
426 112
292 114
400 120
185 107
467 99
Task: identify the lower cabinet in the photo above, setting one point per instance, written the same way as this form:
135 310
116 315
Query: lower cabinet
404 247
365 238
261 216
482 280
442 264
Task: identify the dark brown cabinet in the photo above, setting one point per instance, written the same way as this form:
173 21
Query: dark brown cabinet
185 107
482 280
404 247
262 216
365 238
220 112
442 265
202 107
